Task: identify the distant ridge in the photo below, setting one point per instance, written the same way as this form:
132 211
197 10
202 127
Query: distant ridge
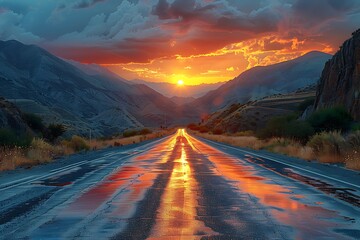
172 90
259 82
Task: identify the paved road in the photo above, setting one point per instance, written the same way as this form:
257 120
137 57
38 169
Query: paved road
180 187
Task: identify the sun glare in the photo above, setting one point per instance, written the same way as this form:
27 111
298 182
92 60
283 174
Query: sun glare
180 82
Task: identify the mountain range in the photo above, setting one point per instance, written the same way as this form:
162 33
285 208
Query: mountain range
89 97
262 81
41 83
184 91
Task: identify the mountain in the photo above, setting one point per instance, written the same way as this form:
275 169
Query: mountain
182 100
96 70
42 83
11 118
173 90
340 80
259 82
255 114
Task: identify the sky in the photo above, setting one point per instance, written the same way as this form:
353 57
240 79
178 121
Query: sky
197 41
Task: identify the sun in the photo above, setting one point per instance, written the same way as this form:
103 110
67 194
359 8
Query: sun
180 82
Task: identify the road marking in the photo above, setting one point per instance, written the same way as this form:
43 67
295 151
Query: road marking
287 164
33 178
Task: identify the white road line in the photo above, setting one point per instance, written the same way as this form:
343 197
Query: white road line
287 164
33 178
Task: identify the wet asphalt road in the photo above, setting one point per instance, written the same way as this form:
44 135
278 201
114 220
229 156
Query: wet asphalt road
180 187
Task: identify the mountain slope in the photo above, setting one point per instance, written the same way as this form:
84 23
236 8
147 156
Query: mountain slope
340 80
259 82
66 94
173 90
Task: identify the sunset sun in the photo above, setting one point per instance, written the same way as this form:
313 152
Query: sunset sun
180 82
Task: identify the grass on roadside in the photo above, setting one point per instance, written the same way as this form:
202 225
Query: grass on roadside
39 151
326 147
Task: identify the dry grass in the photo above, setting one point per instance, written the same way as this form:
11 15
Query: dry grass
326 147
352 160
277 145
41 152
100 144
11 158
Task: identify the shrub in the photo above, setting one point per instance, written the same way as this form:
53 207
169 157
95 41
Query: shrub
330 119
9 138
193 126
247 133
354 140
35 122
355 127
327 143
305 104
54 131
40 151
203 129
217 131
145 131
77 143
287 127
130 133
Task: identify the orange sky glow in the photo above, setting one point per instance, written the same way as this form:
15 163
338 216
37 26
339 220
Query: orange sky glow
197 41
220 65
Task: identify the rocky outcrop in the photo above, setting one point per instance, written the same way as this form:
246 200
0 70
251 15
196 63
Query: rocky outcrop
340 80
10 117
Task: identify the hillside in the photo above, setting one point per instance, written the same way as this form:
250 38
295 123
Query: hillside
259 82
254 115
11 118
340 80
39 82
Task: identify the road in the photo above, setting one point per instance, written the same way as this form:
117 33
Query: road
180 187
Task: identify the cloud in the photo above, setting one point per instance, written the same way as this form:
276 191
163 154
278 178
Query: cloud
144 30
10 27
86 3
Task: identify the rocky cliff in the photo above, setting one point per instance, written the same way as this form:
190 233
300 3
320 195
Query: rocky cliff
340 80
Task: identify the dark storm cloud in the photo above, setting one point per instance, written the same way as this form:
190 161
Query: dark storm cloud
140 30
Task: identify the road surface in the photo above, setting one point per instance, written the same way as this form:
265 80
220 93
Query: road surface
180 187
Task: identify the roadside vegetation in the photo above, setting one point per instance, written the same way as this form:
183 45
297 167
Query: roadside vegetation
46 143
329 136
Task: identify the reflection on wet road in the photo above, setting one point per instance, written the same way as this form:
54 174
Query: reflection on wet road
180 188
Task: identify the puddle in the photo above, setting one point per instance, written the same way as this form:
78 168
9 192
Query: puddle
344 194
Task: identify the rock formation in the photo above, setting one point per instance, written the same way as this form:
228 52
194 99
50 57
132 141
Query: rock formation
340 80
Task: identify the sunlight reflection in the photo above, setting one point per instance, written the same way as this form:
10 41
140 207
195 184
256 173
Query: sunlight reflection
177 212
284 206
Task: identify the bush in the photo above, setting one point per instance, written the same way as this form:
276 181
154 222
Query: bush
54 131
193 126
203 129
247 133
77 143
354 140
145 131
328 145
217 131
34 122
9 138
40 151
305 104
355 127
130 133
287 127
330 119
